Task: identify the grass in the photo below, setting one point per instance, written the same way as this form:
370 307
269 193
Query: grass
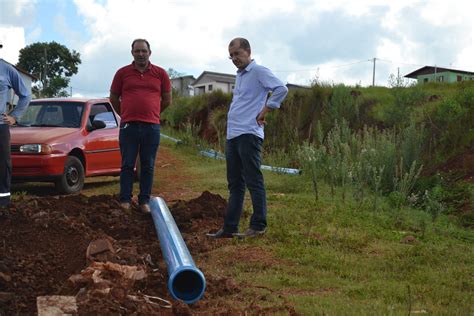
334 257
339 258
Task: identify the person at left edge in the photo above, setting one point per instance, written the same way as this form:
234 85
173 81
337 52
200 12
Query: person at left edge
139 93
9 79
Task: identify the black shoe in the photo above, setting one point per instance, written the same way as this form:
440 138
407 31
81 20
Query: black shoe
251 233
221 233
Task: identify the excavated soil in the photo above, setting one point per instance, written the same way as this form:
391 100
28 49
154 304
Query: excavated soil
110 260
44 241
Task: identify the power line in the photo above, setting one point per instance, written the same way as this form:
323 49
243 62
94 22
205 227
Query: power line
318 67
399 63
371 60
357 62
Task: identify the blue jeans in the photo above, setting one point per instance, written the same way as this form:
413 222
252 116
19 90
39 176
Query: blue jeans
243 159
5 165
138 138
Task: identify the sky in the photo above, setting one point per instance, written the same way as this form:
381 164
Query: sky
299 40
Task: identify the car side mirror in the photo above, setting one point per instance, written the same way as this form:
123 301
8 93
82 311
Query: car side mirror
97 124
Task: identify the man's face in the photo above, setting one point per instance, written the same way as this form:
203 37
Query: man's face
239 56
141 54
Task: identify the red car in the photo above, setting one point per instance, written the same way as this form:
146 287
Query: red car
65 140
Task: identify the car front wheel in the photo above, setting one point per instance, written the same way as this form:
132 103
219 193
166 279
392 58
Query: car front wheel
72 179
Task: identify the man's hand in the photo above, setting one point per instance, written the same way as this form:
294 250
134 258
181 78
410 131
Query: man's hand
165 100
261 119
261 116
7 119
115 100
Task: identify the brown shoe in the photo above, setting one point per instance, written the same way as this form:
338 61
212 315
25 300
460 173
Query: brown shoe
145 208
125 205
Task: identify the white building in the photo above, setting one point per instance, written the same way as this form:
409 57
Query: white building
210 81
184 85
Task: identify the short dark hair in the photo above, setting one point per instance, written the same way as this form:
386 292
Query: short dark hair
141 40
243 43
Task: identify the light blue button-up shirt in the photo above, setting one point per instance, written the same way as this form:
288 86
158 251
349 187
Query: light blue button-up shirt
11 79
251 90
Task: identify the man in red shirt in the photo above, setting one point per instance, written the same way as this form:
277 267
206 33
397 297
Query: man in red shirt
139 93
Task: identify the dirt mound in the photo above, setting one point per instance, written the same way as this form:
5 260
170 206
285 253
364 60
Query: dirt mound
462 164
43 246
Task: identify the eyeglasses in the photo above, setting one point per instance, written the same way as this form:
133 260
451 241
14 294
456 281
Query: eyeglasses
234 55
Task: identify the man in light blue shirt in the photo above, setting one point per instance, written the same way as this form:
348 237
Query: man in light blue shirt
245 133
9 79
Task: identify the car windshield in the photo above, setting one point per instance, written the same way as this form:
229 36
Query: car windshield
53 114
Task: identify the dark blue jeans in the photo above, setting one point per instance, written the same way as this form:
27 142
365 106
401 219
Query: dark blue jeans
138 138
243 159
5 165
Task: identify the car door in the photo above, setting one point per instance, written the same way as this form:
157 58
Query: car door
102 145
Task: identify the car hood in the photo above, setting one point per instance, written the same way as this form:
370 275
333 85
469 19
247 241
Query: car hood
39 135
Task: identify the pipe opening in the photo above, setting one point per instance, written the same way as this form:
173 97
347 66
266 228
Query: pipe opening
188 286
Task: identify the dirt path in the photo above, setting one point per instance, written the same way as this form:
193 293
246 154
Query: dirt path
44 241
171 182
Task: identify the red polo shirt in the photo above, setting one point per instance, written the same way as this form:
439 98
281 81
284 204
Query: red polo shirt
140 93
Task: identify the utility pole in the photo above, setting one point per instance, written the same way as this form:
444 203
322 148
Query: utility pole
373 74
71 91
45 69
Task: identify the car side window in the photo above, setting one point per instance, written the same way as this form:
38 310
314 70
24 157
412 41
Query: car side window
103 112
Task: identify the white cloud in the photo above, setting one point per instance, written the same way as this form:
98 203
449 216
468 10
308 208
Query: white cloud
13 16
466 56
298 39
13 39
16 12
186 36
441 13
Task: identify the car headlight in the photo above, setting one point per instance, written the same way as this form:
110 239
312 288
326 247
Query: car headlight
36 149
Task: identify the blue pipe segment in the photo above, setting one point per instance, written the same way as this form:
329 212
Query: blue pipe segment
185 281
212 154
217 155
177 141
281 169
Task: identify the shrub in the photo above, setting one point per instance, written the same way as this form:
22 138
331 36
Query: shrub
369 159
452 122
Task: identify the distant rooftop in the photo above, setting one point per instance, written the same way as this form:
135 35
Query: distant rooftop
428 70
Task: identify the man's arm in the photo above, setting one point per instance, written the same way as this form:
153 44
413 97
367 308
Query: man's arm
165 100
23 93
115 100
279 92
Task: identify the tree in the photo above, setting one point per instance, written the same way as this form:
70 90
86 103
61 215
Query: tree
172 73
53 64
